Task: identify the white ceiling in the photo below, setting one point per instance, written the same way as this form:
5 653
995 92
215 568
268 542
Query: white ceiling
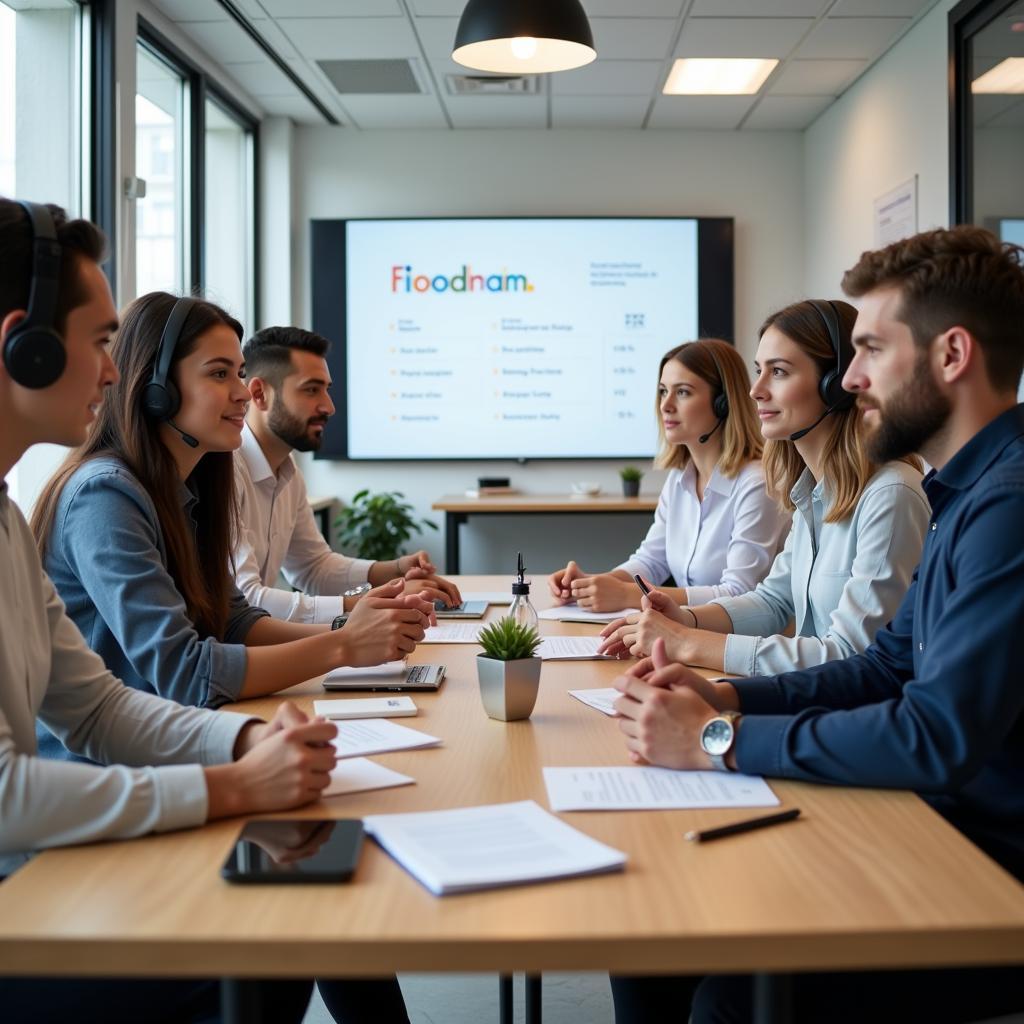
823 46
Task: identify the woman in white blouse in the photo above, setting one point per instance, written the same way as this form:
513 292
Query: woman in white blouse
858 527
716 530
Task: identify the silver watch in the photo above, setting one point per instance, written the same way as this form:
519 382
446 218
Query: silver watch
363 588
718 737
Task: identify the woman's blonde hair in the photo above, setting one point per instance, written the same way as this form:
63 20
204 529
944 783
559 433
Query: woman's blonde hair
722 367
845 464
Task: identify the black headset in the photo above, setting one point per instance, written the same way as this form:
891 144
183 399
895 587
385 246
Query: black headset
161 399
34 354
830 387
720 403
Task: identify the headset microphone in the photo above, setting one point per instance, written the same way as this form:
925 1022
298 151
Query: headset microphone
187 438
807 430
704 437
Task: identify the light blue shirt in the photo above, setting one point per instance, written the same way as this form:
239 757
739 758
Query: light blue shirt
715 547
107 559
840 582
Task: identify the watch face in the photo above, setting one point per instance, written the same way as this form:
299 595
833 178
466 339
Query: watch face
717 736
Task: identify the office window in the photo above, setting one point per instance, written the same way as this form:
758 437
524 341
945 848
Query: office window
161 144
228 228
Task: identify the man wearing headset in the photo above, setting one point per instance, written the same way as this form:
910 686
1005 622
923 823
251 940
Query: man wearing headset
56 317
936 703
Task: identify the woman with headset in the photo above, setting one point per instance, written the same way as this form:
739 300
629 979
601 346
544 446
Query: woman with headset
857 531
716 530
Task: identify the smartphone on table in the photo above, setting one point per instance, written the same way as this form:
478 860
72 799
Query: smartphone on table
296 850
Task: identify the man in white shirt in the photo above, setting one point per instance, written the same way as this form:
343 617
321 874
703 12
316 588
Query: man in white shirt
289 383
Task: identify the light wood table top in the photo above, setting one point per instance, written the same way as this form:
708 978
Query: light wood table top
496 503
864 879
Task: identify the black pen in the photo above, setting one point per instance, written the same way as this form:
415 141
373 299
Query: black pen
640 583
743 826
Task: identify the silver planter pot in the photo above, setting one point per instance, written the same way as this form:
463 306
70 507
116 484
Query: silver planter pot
508 688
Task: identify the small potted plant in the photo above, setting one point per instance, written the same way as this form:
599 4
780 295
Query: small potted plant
631 477
508 669
376 526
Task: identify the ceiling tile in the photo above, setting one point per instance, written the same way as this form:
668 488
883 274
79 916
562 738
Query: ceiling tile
395 111
879 8
741 37
598 111
352 38
192 10
295 107
786 113
816 77
594 8
262 78
225 41
497 111
710 112
633 38
758 8
1011 118
437 35
988 108
438 8
610 78
851 38
333 8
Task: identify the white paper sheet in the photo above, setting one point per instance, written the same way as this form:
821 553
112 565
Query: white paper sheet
485 847
388 670
645 788
366 707
377 736
602 699
490 596
571 648
358 774
453 633
574 613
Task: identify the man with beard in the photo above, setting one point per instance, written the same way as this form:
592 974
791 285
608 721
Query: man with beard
936 703
289 383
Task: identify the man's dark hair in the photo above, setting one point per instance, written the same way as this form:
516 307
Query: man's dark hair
962 276
79 239
268 352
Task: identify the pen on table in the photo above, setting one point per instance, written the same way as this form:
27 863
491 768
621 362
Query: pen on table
640 583
743 826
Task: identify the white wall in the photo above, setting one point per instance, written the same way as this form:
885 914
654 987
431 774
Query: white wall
892 124
754 177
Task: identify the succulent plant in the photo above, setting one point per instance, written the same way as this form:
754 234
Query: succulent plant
507 640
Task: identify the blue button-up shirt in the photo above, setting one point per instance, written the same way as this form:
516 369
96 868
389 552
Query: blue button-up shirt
936 704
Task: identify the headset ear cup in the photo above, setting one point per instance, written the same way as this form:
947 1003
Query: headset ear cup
161 401
35 357
720 406
832 392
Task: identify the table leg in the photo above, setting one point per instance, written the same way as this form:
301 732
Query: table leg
240 1001
452 522
773 998
533 994
505 1015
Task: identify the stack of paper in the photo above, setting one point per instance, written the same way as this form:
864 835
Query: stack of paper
642 788
602 699
358 774
488 847
574 613
377 736
571 648
453 633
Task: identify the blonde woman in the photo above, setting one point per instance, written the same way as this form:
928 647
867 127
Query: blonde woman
857 532
716 530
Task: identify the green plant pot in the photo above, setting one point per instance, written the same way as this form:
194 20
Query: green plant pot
508 689
630 488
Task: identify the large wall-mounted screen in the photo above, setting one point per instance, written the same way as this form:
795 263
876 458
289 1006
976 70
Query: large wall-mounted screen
510 338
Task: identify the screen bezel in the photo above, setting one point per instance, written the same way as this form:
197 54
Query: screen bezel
328 259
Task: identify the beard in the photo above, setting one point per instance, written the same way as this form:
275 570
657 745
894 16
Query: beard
292 430
910 419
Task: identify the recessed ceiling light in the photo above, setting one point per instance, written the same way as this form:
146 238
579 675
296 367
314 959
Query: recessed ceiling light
1006 77
718 76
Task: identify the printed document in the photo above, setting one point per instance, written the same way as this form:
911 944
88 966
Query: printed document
453 633
574 613
603 699
358 774
377 736
571 648
486 847
644 788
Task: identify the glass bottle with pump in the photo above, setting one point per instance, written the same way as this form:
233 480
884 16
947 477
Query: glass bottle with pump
522 612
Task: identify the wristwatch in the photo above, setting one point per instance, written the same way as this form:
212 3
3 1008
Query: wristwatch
718 736
339 620
363 588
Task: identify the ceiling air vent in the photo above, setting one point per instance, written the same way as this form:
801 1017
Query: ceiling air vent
362 77
493 85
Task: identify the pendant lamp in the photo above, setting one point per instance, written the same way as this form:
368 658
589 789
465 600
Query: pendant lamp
523 37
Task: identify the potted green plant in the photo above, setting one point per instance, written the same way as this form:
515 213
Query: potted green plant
508 669
376 526
631 477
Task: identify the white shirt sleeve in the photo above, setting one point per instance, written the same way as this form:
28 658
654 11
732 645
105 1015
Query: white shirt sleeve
650 560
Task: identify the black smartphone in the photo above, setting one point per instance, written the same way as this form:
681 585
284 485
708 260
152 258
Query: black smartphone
295 851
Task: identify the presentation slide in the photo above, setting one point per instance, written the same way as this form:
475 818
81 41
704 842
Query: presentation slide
1012 230
512 338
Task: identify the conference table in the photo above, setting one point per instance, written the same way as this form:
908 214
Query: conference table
864 879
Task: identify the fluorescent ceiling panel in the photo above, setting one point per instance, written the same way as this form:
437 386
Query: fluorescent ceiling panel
718 76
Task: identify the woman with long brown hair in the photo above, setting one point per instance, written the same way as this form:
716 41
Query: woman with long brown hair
857 532
716 530
136 527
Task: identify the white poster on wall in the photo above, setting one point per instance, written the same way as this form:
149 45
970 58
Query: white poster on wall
896 214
